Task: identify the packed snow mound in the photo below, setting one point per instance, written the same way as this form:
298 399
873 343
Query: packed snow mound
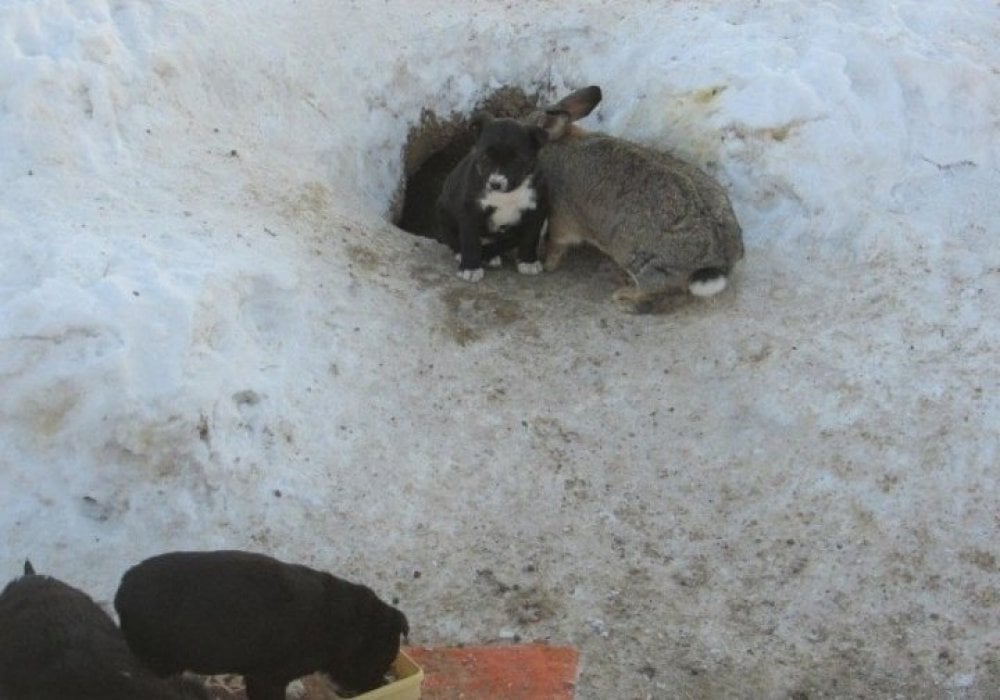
211 336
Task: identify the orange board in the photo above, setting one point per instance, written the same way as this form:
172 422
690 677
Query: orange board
514 672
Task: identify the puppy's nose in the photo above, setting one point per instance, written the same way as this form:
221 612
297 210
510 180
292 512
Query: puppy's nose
497 182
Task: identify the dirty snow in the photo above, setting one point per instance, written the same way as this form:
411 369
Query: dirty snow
210 337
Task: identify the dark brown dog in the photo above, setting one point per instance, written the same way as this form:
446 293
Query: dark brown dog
272 622
56 643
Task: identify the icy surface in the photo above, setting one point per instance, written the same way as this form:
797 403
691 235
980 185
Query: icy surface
209 336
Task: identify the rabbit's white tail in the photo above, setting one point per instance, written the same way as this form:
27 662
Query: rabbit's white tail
707 282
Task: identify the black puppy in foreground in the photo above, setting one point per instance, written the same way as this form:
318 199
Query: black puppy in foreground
272 622
495 199
56 643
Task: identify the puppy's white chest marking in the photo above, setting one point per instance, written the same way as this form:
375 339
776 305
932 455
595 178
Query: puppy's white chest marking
508 206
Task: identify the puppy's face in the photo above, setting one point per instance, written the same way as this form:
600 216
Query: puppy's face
506 152
366 656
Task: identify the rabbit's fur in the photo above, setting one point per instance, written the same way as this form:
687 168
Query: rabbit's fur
664 221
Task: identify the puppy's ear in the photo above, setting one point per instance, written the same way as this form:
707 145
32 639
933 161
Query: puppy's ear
29 570
402 623
479 122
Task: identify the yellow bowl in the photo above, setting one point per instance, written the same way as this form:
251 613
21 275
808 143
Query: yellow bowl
409 677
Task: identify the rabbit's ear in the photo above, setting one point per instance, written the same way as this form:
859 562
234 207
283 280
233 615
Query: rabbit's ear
580 103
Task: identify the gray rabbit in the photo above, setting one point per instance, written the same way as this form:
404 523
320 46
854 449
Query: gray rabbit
664 221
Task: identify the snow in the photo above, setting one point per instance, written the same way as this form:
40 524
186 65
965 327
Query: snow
210 337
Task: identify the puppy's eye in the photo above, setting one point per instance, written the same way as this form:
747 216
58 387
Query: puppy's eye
500 155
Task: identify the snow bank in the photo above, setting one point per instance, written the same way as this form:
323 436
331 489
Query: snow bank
209 336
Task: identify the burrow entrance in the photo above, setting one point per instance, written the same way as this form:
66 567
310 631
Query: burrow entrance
435 146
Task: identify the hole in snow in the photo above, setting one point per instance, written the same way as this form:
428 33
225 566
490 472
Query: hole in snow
435 146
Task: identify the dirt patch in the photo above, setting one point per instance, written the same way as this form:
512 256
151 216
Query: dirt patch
474 311
981 559
363 257
311 203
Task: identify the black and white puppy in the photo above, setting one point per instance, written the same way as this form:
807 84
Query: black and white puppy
495 199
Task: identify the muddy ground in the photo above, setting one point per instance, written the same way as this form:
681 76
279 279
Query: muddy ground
742 497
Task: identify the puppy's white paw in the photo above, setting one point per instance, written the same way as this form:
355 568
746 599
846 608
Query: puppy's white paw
471 275
495 262
296 690
532 268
